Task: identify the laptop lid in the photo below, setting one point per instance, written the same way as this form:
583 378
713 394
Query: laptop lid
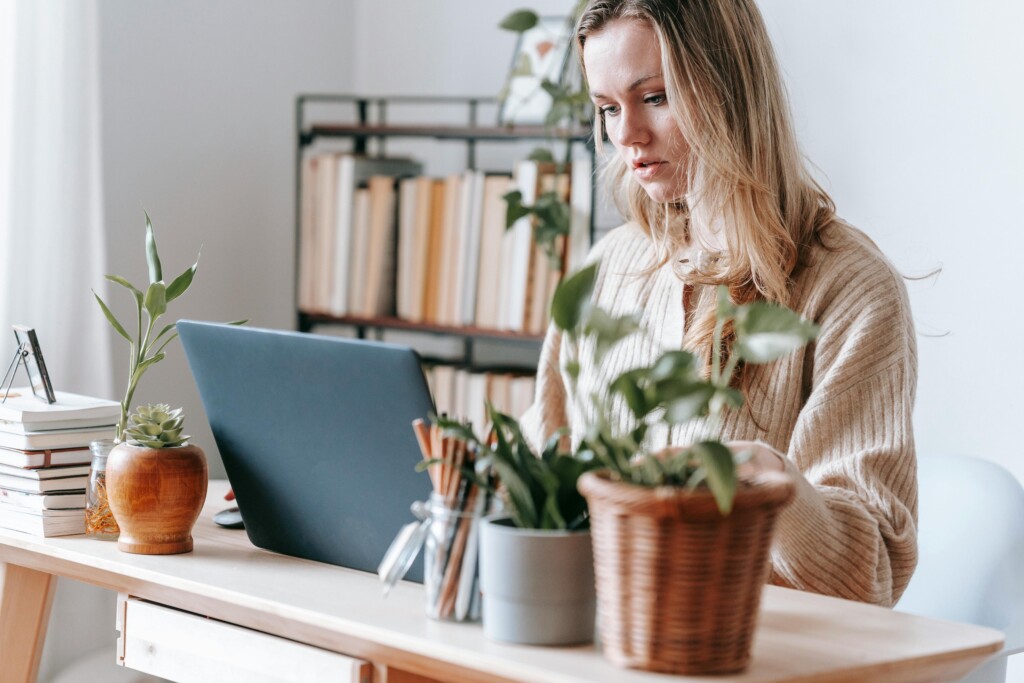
316 437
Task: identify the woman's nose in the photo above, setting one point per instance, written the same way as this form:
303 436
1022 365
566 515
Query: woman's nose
632 129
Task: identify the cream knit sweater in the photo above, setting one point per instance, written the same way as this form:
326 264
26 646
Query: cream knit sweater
839 410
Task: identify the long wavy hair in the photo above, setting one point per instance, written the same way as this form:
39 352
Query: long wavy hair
745 176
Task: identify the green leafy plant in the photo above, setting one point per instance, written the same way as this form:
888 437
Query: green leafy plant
570 109
672 390
540 489
156 426
146 348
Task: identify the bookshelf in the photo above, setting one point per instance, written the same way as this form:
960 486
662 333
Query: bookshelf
365 126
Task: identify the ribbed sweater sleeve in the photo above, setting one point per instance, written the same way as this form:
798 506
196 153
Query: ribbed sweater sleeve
839 411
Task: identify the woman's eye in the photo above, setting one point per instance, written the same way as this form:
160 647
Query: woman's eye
655 99
609 110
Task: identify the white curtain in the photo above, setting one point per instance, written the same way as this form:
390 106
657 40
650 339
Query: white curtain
52 242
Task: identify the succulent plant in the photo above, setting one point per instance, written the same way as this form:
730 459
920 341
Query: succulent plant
156 426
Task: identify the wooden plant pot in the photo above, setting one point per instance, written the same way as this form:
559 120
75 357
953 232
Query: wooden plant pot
156 495
678 584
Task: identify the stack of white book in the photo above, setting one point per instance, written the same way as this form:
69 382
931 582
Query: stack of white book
44 459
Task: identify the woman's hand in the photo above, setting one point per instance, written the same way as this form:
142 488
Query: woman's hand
763 458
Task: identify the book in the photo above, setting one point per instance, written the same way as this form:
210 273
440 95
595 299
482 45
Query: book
307 232
42 522
432 270
517 248
407 215
44 458
492 233
26 427
360 238
469 264
416 278
43 473
43 501
324 233
353 173
22 406
449 253
74 484
380 257
62 438
580 200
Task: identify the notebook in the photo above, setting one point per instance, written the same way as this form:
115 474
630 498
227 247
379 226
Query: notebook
316 437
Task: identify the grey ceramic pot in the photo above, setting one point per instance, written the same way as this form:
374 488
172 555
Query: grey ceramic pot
538 586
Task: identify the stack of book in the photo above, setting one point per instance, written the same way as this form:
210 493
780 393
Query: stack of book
463 393
44 459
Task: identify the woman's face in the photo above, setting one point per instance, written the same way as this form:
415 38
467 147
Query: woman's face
623 64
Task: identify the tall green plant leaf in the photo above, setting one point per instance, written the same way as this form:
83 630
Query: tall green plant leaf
156 300
111 319
766 331
572 298
156 273
181 283
519 21
720 472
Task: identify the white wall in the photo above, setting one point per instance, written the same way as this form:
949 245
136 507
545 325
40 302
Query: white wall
912 110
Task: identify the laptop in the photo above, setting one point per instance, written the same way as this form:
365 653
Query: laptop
316 437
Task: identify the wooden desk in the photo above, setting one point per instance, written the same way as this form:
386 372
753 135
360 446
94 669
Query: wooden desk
801 637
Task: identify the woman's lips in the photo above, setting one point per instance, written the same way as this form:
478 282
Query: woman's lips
647 170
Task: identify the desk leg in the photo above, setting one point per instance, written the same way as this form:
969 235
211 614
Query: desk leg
25 599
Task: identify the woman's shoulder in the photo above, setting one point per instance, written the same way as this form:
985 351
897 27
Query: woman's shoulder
845 265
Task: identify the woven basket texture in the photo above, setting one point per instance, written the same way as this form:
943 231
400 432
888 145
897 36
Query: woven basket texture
678 584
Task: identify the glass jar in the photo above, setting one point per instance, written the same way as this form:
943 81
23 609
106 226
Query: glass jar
99 520
451 567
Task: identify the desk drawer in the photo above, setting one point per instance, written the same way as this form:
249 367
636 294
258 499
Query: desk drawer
188 648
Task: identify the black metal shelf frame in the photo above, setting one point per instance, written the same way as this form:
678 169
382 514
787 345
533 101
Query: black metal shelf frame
369 121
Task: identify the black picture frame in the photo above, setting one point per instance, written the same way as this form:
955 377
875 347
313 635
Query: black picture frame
32 357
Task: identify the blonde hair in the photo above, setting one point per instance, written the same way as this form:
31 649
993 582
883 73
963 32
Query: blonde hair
745 174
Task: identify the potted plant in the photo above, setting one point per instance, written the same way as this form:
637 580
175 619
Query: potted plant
148 483
156 483
536 562
680 543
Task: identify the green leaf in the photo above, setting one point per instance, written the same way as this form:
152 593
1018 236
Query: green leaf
720 471
111 319
156 273
608 331
726 309
127 285
523 66
519 21
767 331
181 283
156 300
516 209
629 386
559 111
542 155
572 297
673 364
688 404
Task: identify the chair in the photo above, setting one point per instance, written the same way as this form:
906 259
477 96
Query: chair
971 552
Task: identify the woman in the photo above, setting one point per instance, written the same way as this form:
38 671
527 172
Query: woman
707 169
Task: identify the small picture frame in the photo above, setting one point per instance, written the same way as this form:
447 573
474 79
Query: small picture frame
32 357
542 53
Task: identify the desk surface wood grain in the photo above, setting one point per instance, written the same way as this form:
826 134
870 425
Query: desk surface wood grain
800 636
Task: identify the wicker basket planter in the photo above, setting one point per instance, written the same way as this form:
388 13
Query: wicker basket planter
678 584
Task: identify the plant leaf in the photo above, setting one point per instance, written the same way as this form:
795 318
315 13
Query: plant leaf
156 273
608 331
516 208
519 21
767 331
181 283
628 384
541 154
156 300
720 471
111 319
127 285
572 297
692 402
